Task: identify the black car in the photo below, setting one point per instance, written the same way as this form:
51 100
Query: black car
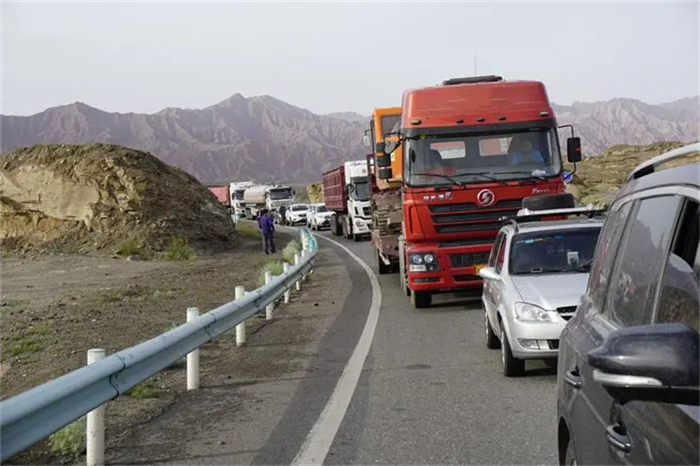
627 374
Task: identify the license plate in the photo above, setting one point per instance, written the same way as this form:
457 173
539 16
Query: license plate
477 268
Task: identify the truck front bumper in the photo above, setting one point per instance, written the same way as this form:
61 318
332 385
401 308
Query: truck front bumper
458 267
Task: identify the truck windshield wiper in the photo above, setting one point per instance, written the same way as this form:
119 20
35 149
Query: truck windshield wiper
439 175
533 174
484 175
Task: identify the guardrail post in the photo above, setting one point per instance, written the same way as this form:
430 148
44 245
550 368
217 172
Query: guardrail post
95 428
297 260
288 292
271 306
193 357
240 328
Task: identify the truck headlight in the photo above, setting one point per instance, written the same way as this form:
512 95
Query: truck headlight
359 223
530 313
423 262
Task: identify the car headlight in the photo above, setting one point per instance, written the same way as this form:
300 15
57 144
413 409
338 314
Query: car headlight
530 313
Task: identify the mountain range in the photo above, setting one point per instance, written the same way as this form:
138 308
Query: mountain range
266 139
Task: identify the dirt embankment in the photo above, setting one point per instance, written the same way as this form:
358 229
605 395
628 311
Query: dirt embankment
91 198
598 178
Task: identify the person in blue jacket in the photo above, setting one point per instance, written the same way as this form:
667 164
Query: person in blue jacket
268 231
525 153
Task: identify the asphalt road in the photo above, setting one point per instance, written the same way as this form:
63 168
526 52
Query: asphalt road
432 393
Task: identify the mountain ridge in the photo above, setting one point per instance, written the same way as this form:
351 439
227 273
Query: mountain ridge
268 139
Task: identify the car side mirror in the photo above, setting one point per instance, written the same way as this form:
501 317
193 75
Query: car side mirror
656 363
489 273
573 149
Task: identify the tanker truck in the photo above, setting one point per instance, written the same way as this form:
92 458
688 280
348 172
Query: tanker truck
237 203
267 196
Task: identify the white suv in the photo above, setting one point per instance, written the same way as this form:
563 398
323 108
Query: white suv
536 274
296 214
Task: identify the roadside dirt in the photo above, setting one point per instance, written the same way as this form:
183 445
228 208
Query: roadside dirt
246 391
56 308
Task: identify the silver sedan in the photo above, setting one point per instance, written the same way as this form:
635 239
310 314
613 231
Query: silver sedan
536 274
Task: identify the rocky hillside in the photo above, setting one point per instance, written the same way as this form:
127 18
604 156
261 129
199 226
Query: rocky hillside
598 179
266 139
627 121
94 198
261 137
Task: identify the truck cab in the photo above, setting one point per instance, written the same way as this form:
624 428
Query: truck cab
359 215
278 196
472 149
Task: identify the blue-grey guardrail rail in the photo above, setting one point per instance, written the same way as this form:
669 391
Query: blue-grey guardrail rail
31 416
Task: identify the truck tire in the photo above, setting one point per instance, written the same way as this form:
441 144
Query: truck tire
550 201
421 299
382 268
335 225
358 238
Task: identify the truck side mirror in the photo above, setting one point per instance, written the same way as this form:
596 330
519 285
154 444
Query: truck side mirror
573 149
365 139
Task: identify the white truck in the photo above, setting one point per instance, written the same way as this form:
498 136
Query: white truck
237 203
346 193
269 196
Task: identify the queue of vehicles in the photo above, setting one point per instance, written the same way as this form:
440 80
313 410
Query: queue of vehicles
466 191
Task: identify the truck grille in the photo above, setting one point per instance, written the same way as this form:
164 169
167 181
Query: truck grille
366 211
469 259
470 217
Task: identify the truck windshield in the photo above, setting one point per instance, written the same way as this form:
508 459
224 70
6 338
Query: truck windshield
388 123
238 195
278 194
506 156
553 251
361 192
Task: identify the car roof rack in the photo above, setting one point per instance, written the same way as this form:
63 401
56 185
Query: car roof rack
527 215
650 166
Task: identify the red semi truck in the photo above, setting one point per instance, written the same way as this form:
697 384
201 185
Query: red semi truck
473 149
223 194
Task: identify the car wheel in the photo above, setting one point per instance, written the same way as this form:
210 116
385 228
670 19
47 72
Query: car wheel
511 367
570 456
492 341
421 299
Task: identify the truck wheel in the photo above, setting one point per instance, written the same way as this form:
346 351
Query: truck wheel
421 299
550 201
382 268
358 238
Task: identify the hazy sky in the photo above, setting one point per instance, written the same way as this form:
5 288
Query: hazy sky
335 56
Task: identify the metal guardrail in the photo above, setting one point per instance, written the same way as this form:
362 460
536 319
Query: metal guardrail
31 416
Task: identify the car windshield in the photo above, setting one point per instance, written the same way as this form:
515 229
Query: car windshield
361 192
321 208
299 207
277 194
446 160
553 251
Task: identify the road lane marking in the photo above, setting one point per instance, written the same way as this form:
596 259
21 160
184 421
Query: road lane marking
322 434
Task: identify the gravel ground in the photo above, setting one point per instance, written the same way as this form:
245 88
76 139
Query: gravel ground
55 308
